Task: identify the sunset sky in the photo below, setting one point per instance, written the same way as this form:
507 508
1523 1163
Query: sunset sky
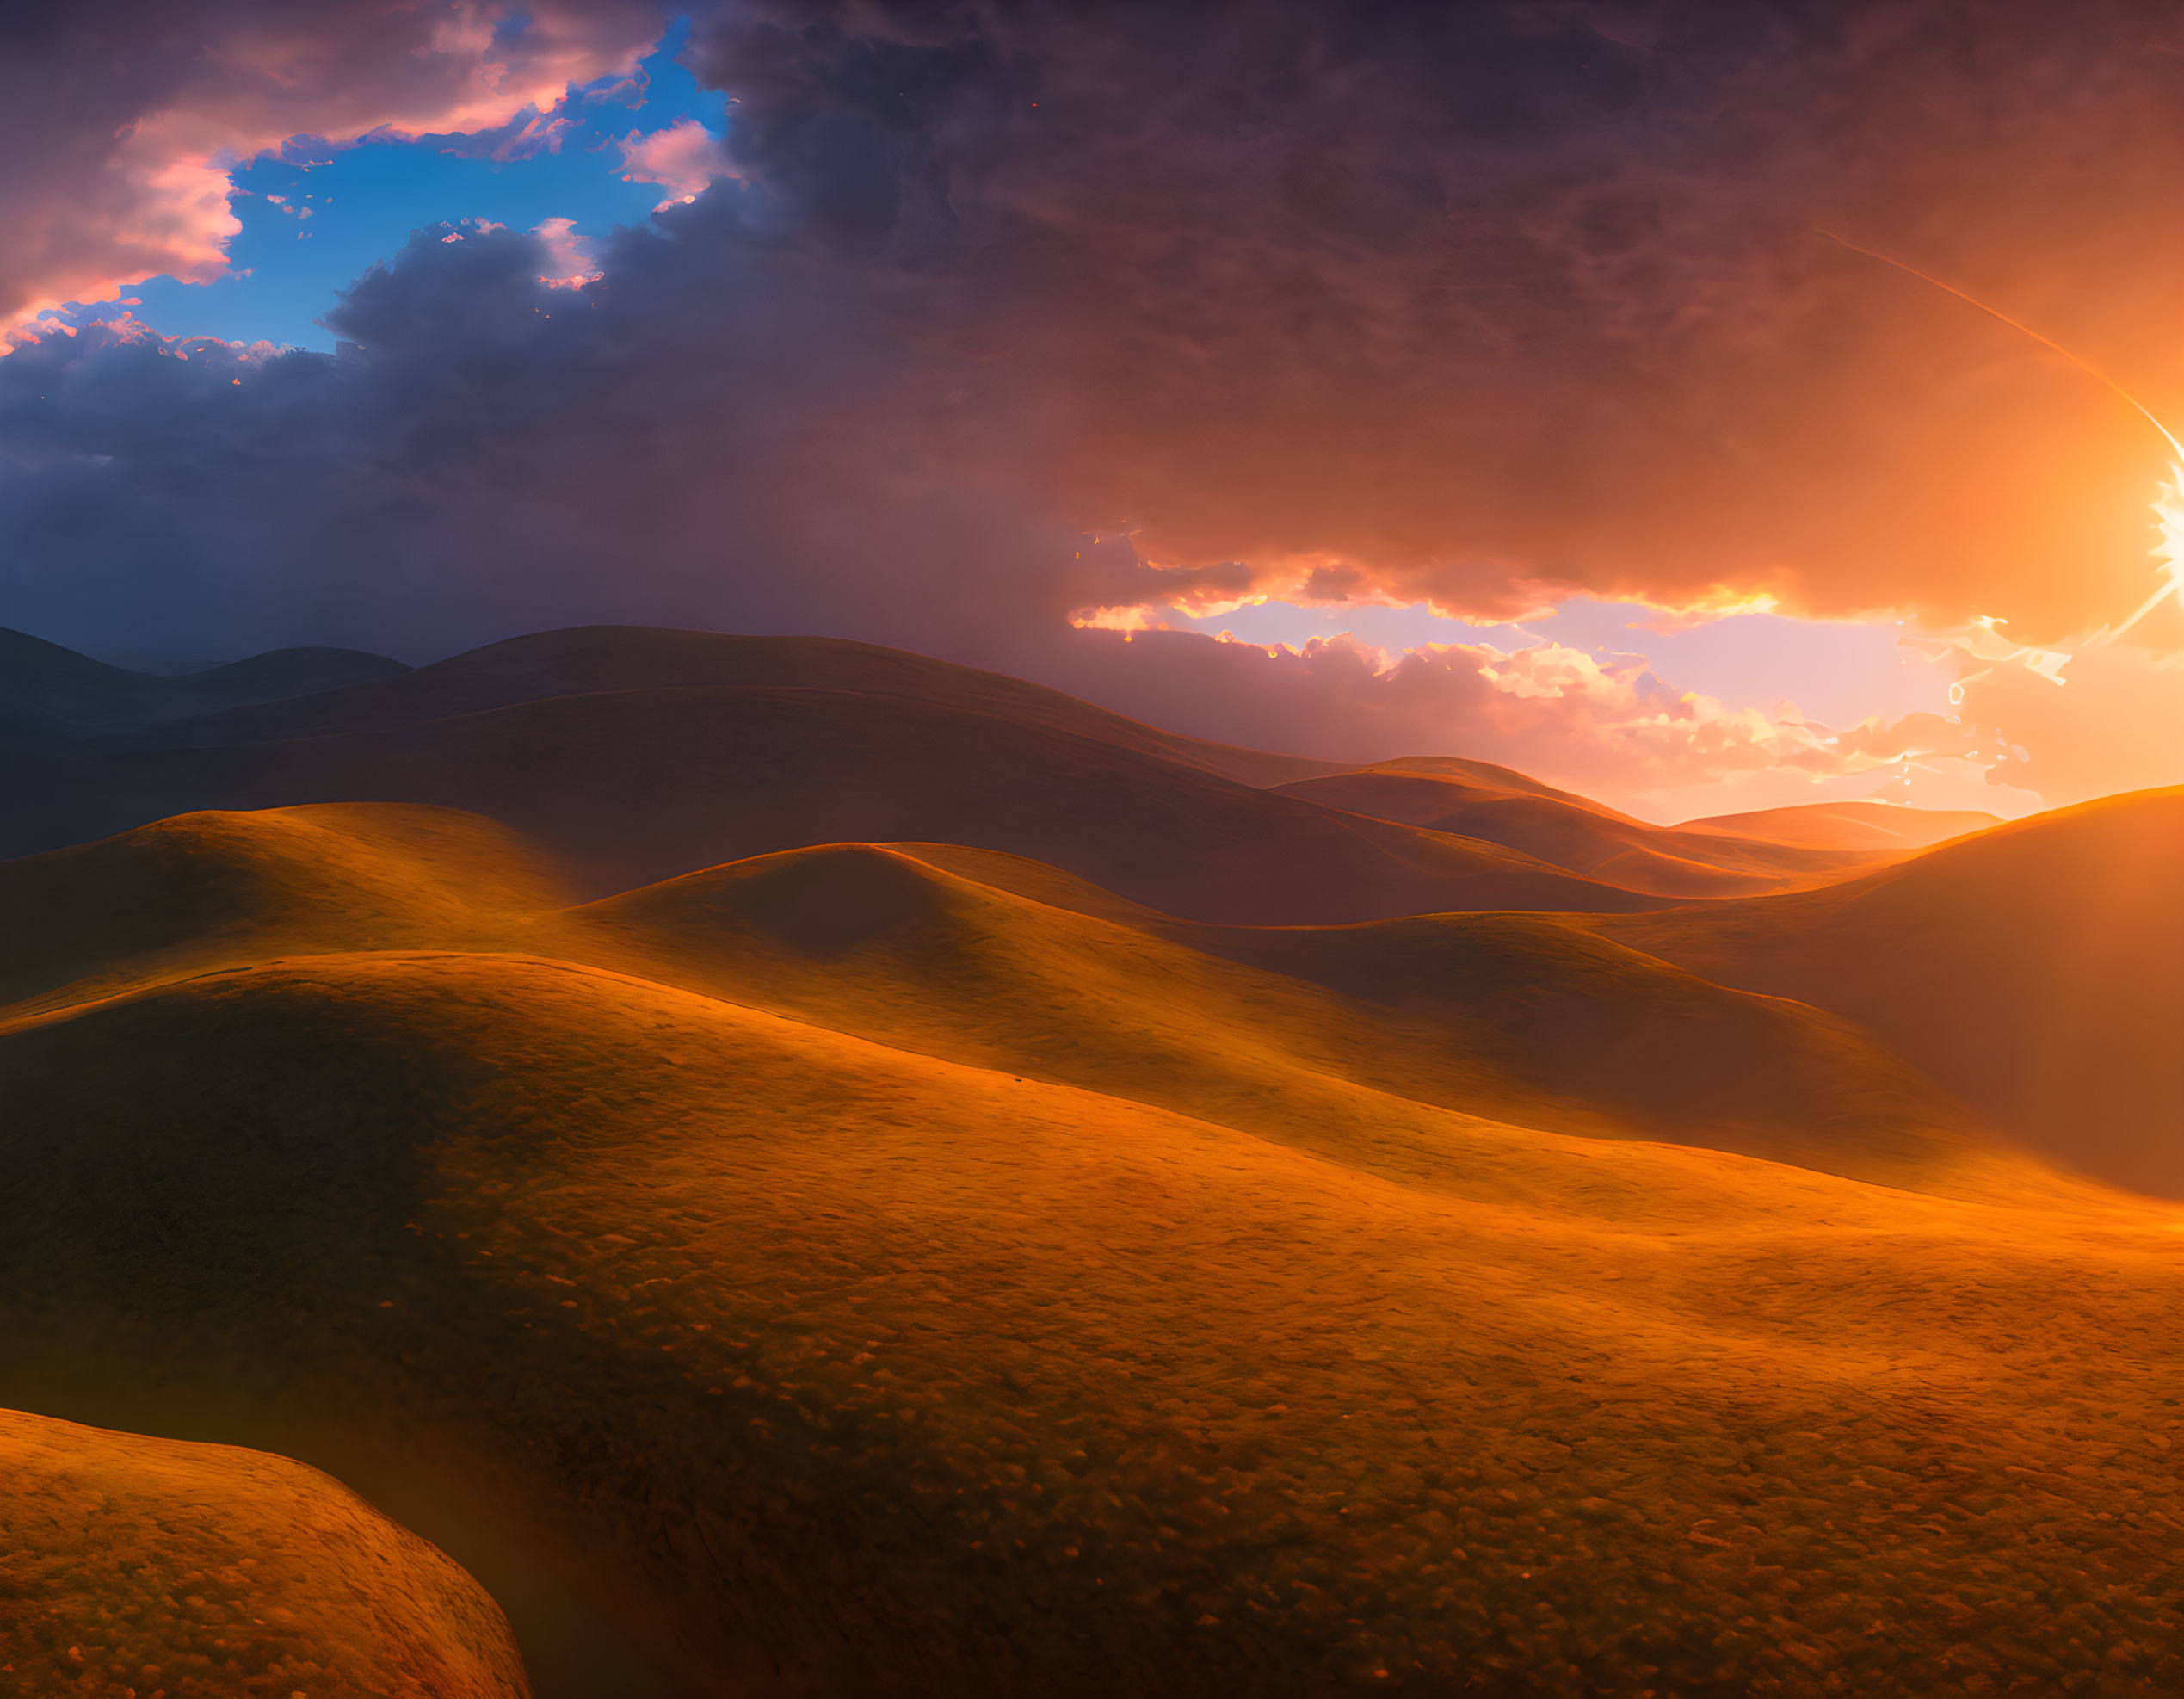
1354 379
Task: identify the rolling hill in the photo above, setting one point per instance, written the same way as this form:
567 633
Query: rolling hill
635 786
1472 799
640 753
144 1566
2036 969
48 693
908 1269
1850 825
590 660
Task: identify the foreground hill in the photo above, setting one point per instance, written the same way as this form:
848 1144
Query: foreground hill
868 1271
143 1566
1474 799
2036 969
635 786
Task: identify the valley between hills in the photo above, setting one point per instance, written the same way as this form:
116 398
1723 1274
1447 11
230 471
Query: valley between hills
651 1164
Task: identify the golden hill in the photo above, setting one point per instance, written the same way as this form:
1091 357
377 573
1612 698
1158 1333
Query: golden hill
1004 963
1517 1018
866 1270
136 1566
1473 799
2036 969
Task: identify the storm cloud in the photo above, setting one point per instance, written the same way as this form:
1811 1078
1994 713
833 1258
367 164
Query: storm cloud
1005 313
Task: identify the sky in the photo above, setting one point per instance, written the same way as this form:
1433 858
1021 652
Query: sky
1538 380
314 216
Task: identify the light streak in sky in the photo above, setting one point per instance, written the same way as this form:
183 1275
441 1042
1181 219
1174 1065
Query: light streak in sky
1980 639
2093 372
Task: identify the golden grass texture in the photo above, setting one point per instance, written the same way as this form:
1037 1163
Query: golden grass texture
1349 1038
925 1287
150 1567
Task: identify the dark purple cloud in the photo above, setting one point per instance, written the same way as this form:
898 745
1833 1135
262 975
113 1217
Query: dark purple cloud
1488 303
1480 298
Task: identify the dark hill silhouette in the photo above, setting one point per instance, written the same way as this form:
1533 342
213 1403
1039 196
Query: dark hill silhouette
2036 969
631 787
48 692
586 660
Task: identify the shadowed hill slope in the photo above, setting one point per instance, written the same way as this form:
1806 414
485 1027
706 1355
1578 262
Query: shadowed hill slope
1513 1018
632 787
142 1566
1850 825
1472 800
587 660
674 699
48 691
1329 1038
2036 969
829 1364
1486 778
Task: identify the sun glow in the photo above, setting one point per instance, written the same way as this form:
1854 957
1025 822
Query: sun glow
2169 514
1980 639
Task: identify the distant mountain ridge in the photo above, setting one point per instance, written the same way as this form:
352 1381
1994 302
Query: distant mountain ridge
590 660
597 742
53 692
640 753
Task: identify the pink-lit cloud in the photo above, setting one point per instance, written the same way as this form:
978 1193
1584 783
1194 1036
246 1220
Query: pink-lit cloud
1611 728
570 261
130 177
685 159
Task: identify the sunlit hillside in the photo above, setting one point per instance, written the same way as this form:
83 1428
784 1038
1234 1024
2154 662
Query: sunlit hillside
149 1566
2034 969
908 1268
1473 799
1011 850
